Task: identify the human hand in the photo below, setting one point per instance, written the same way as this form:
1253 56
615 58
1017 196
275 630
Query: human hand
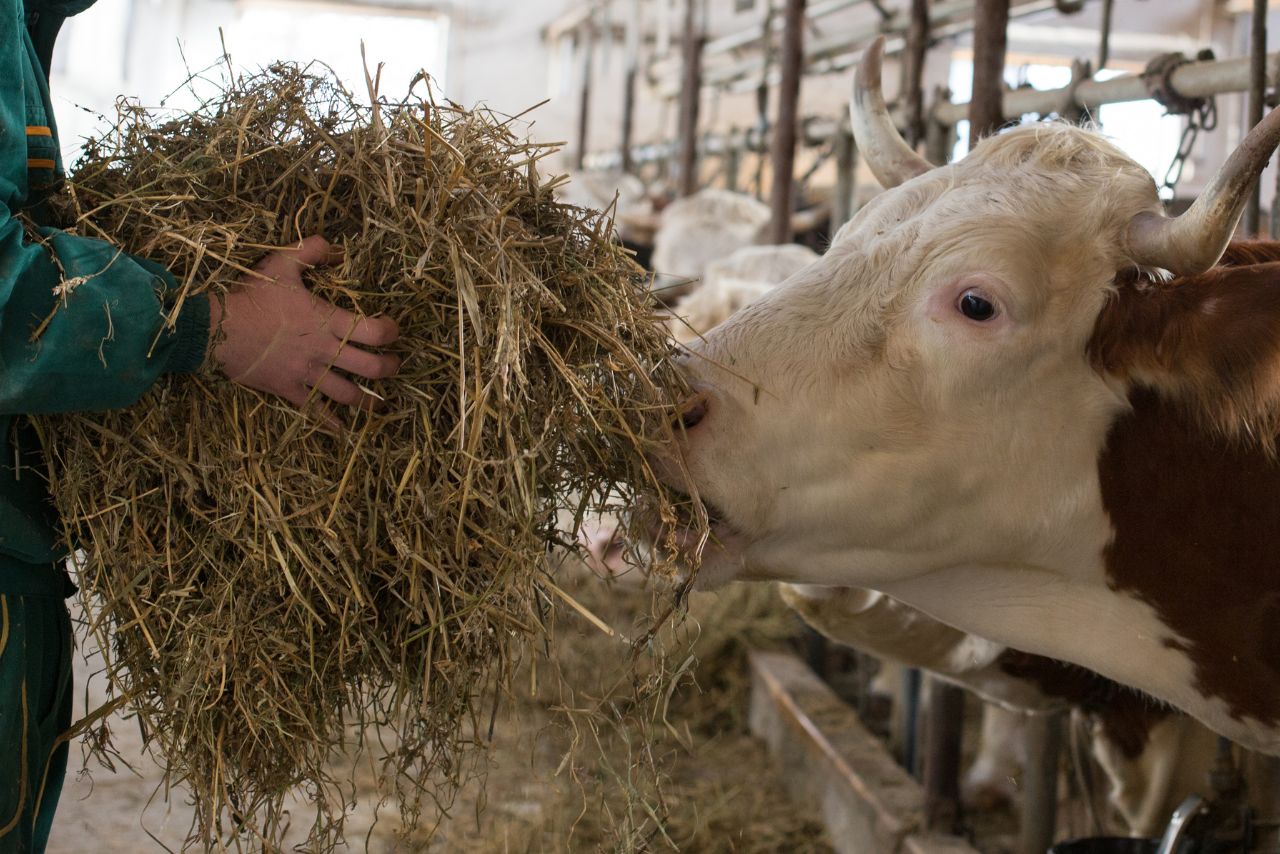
280 338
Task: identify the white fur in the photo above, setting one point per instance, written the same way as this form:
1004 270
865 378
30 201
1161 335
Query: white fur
705 227
862 432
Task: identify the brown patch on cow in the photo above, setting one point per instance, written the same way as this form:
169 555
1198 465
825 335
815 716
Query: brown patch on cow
1209 342
1190 477
1125 715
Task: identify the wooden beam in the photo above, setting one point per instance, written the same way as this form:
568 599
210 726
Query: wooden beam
786 127
828 759
990 41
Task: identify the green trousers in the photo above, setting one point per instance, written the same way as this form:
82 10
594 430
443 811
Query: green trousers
35 712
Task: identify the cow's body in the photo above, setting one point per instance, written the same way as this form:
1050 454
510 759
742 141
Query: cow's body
986 401
1151 756
706 227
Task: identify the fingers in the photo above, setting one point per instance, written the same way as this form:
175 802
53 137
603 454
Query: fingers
369 331
362 363
339 389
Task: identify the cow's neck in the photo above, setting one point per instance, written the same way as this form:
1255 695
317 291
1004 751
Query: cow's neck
1183 600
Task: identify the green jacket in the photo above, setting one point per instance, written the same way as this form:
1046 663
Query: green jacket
97 352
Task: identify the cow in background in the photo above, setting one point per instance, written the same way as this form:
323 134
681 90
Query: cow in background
635 216
697 230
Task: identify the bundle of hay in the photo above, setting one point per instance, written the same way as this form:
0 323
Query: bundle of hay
261 584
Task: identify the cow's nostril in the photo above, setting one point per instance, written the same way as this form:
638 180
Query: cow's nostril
693 413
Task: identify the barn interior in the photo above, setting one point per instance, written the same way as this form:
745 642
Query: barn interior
717 134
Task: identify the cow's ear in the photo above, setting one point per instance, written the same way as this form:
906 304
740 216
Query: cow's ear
1210 343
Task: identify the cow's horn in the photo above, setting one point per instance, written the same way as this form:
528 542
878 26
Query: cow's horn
1193 242
892 161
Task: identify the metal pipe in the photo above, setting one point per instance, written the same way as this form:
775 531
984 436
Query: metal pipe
846 169
1195 80
912 89
910 719
784 135
944 727
1040 799
630 80
990 42
1257 92
1104 42
689 101
949 17
584 105
752 37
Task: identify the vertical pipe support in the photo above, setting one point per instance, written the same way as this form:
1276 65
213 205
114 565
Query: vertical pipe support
1044 735
990 42
690 98
630 80
733 163
584 105
1257 95
785 130
917 48
944 726
846 171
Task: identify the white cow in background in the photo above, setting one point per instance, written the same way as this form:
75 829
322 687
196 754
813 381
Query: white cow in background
634 217
733 283
706 227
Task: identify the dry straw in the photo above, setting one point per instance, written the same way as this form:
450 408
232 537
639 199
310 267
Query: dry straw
263 588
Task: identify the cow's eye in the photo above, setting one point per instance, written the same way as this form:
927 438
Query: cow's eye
975 306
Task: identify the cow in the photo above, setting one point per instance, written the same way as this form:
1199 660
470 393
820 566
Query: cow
732 283
1017 397
702 228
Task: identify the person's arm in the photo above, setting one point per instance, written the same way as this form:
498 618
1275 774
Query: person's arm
106 343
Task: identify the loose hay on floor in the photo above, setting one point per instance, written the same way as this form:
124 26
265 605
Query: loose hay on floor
261 584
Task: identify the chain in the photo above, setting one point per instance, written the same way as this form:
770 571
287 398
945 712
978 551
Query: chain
1203 117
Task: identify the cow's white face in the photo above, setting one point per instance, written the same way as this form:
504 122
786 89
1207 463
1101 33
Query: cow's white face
920 398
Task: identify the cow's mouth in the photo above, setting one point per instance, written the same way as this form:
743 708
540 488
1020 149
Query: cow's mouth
687 533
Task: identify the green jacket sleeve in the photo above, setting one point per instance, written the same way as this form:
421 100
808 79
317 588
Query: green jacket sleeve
106 343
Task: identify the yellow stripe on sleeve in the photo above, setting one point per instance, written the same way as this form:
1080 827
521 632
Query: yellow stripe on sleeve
39 130
40 163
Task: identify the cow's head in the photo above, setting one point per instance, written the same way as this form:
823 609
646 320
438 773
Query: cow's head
937 389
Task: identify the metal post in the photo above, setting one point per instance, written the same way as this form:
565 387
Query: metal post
632 75
944 725
913 70
1257 92
939 138
732 167
784 131
1040 800
846 170
990 41
584 106
689 101
1104 46
909 720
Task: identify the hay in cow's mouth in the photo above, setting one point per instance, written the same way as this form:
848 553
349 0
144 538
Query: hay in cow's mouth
260 585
